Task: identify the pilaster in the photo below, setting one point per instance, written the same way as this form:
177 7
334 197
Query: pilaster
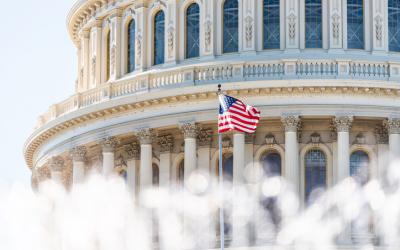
141 38
172 32
378 25
249 25
335 24
292 23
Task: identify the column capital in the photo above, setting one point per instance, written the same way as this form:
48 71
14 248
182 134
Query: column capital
84 33
108 144
189 130
381 134
343 123
78 153
392 125
166 143
133 151
145 136
291 122
204 137
56 163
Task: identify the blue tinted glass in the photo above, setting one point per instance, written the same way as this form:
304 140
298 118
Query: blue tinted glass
394 25
159 37
271 164
131 46
315 168
271 24
192 31
355 24
359 162
231 26
313 16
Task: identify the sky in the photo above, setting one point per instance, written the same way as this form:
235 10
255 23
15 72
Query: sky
37 69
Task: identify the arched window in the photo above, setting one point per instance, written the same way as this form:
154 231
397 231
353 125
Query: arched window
394 25
355 24
313 18
359 165
271 24
231 26
193 31
315 171
159 37
108 66
271 163
156 175
131 45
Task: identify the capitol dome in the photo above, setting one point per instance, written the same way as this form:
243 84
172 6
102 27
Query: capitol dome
325 75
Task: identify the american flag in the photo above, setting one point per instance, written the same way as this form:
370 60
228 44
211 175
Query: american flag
235 115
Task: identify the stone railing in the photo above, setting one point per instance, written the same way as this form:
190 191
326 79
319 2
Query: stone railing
224 72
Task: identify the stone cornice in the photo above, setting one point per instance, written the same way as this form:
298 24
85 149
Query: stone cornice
78 117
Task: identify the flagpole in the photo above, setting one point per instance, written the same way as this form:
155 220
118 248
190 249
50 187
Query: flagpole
221 187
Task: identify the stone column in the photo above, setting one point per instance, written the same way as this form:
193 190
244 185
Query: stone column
166 143
238 158
132 165
85 34
108 145
343 125
189 131
146 157
78 164
56 165
292 169
96 59
393 126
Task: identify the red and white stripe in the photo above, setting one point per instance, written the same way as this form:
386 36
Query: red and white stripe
239 117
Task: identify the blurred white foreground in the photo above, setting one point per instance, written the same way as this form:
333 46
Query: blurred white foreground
102 214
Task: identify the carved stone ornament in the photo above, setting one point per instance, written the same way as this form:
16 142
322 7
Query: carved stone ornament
360 139
120 162
170 35
381 134
378 27
145 136
270 139
226 142
93 69
207 34
79 153
157 4
335 25
249 29
108 144
112 58
189 130
56 163
133 150
291 123
166 143
204 137
139 47
393 125
292 25
315 138
343 123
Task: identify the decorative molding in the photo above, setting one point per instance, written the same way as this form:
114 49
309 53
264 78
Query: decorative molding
166 143
291 123
378 28
145 135
292 26
382 134
79 153
393 125
315 138
249 29
139 42
207 33
170 39
336 25
189 130
343 123
133 151
113 59
108 144
204 137
56 164
270 139
360 139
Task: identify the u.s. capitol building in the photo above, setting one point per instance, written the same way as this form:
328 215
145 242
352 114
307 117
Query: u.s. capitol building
325 75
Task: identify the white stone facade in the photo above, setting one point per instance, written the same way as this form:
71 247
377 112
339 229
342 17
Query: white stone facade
334 99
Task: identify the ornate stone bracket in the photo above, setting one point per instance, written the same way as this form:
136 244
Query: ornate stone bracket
79 153
204 137
381 134
392 125
343 123
145 136
108 144
189 130
166 143
56 163
133 151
